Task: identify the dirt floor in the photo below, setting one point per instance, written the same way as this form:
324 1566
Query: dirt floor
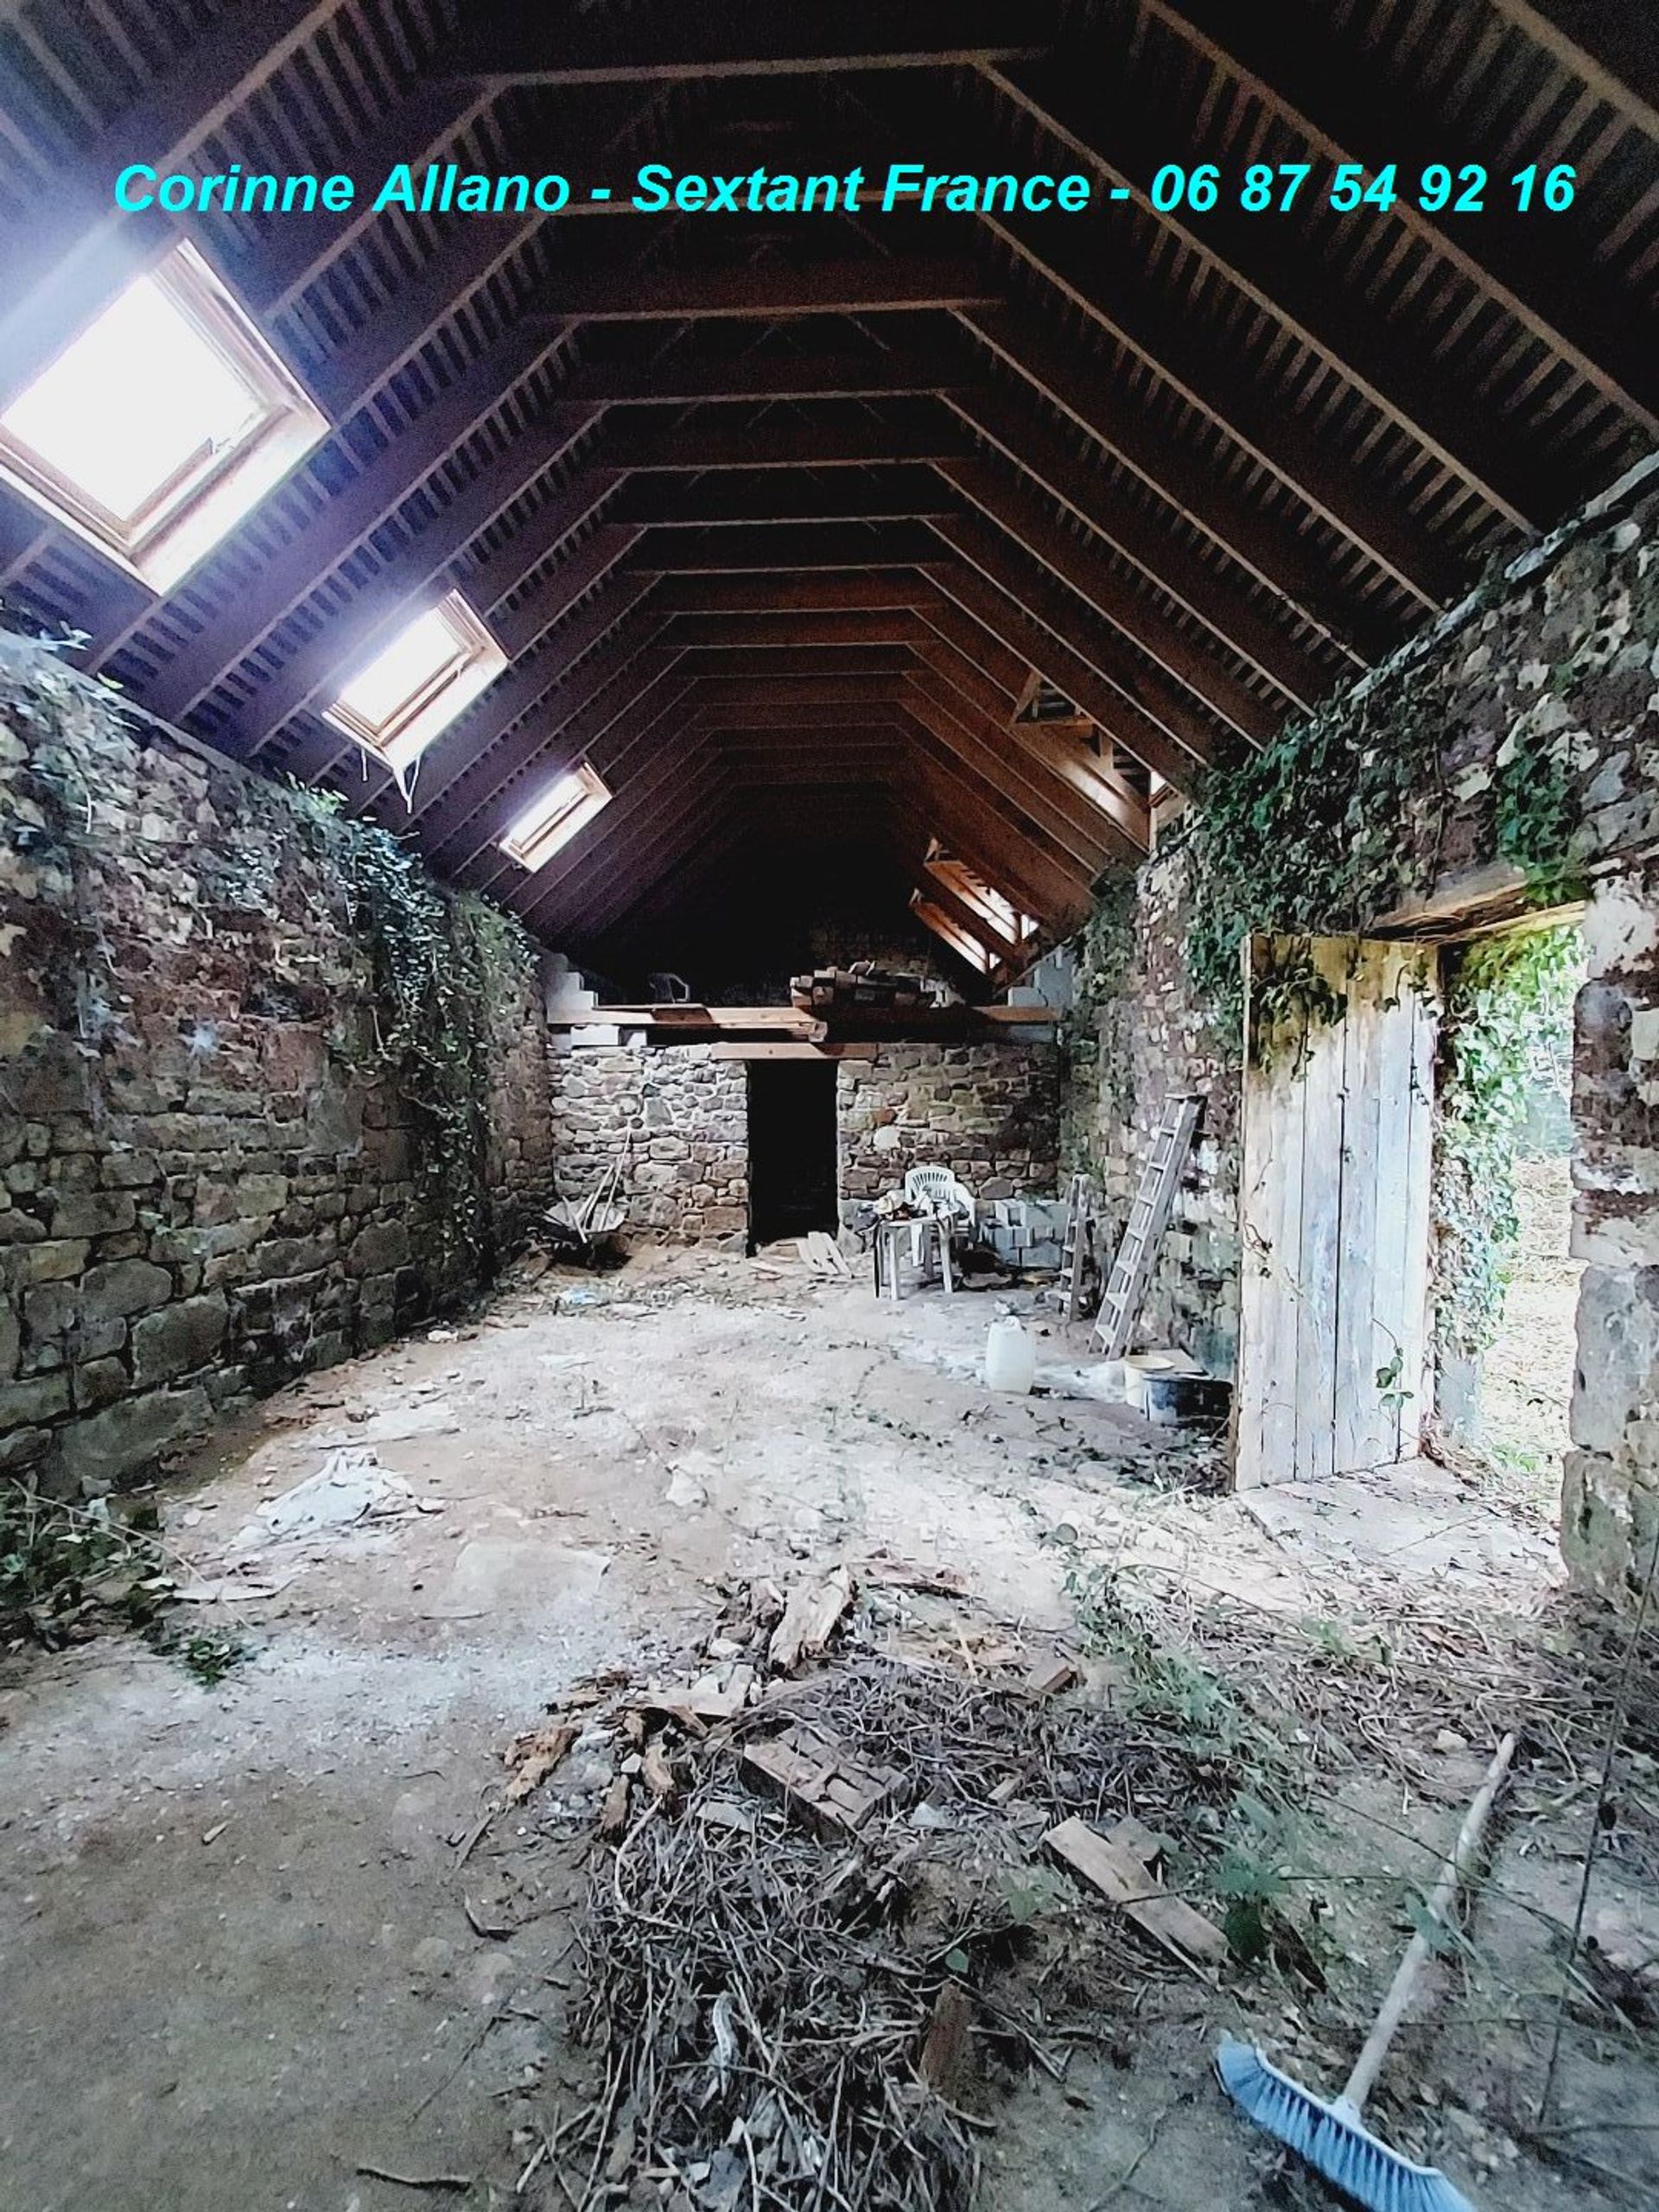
257 1938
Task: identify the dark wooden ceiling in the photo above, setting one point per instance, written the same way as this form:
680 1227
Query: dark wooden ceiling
777 519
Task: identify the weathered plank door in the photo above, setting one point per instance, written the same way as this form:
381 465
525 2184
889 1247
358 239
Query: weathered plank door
1334 1207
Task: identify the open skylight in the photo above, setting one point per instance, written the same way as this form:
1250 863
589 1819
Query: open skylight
416 685
157 428
551 821
980 897
961 941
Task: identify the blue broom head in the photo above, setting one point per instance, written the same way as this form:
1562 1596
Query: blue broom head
1332 2137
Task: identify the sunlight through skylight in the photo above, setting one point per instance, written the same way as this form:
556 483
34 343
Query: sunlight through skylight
549 823
414 660
136 398
416 685
164 423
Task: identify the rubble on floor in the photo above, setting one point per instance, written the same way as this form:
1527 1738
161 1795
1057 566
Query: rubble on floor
892 1623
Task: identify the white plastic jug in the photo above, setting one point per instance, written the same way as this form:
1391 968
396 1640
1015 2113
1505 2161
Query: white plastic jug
1010 1359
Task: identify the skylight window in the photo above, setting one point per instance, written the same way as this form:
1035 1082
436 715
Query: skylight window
164 423
980 897
551 821
960 940
416 685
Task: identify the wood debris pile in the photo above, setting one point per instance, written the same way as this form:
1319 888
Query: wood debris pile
832 990
839 1901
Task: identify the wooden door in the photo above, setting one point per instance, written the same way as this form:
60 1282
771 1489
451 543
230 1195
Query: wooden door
1334 1206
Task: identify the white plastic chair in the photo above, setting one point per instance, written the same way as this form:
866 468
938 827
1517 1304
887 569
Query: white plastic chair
938 1188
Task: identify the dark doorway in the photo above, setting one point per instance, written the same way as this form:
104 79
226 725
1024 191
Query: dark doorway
793 1182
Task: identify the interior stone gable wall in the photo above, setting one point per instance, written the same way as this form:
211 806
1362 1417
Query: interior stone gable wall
207 1181
988 1110
1566 651
679 1119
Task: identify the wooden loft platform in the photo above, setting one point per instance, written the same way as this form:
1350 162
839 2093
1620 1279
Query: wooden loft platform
684 1023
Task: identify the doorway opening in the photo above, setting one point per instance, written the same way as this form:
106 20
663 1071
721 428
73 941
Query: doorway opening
1406 1207
1506 1286
794 1182
1338 1131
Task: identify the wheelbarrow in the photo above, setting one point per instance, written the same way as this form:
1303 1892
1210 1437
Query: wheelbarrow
583 1224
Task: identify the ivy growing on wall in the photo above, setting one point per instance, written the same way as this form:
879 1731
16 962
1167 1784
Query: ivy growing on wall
1504 996
47 828
1313 836
442 967
1093 1036
1342 819
443 970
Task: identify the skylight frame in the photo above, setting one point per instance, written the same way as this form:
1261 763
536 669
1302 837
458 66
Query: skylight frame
1012 926
399 739
536 834
191 511
961 941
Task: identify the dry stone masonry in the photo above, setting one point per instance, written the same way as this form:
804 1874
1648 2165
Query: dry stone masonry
1556 666
990 1112
679 1118
208 1181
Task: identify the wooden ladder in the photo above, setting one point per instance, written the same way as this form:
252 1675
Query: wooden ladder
1127 1283
1082 1211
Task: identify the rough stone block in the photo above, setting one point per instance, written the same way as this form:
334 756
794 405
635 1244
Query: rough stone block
58 1261
37 1398
99 1383
123 1286
378 1247
128 1170
178 1338
94 1456
92 1213
261 1194
51 1310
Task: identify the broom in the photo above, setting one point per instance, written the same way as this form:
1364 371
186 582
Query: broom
1332 2136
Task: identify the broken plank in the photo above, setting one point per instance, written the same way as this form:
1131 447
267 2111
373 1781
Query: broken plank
1124 1879
818 1779
614 1813
1049 1675
828 1254
811 1614
533 1758
900 1574
947 2047
700 1705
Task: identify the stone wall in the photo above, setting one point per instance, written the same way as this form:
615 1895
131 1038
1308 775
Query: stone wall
683 1117
990 1112
209 1176
1557 666
1124 1059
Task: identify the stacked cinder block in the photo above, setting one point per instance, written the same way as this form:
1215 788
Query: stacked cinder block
1024 1233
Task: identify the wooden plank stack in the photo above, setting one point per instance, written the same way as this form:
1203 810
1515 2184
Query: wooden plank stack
829 990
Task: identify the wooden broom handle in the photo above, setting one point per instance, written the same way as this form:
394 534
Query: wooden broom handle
1368 2064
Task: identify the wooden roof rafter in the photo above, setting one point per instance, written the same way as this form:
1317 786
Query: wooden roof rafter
798 515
